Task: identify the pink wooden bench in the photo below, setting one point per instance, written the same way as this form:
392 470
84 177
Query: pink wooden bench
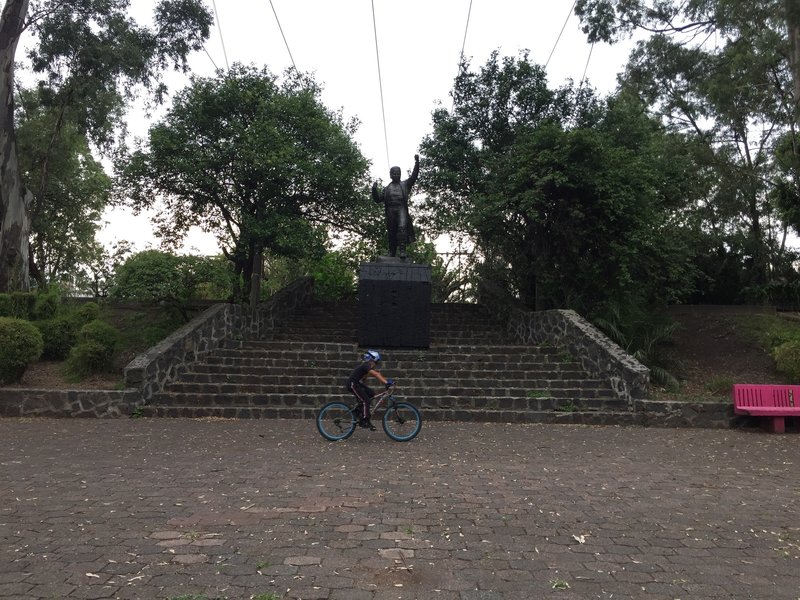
776 402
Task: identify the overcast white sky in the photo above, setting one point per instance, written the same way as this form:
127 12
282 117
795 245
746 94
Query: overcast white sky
419 44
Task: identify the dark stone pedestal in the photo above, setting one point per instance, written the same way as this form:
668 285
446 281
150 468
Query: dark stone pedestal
394 300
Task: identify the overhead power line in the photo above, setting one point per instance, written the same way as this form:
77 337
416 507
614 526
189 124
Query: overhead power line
278 21
380 85
586 67
221 39
464 43
461 56
569 14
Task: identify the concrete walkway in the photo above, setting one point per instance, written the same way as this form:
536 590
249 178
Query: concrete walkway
165 509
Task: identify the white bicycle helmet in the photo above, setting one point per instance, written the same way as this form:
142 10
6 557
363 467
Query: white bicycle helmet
371 355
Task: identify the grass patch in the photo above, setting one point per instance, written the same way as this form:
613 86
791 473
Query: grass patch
720 386
768 331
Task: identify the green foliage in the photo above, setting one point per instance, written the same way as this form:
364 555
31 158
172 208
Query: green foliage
643 334
88 311
20 344
60 330
559 190
18 305
729 100
47 303
262 164
59 335
70 188
94 352
96 275
333 277
160 277
787 359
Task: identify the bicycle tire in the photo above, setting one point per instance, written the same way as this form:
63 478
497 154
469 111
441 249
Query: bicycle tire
336 421
402 421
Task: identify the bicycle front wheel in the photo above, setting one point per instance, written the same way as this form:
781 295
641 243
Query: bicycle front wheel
336 421
402 421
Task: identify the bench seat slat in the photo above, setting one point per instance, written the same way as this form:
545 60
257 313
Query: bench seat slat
770 411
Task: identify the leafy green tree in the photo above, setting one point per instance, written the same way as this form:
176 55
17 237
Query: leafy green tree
565 196
91 57
259 162
68 199
719 72
96 274
163 278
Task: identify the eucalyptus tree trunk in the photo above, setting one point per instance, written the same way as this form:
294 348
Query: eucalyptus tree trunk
15 202
793 25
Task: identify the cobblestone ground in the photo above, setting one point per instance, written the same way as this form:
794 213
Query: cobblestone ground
168 509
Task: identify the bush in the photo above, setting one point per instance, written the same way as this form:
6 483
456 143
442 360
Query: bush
87 358
787 359
18 305
94 352
59 334
86 312
20 344
46 303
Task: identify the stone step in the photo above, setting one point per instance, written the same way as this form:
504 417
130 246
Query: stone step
557 389
241 373
301 400
576 417
399 369
304 350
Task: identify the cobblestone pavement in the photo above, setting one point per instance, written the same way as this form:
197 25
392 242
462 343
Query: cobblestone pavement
172 508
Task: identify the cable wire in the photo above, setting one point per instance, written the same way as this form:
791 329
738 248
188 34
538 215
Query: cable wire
464 43
461 56
380 84
221 39
277 20
564 26
586 67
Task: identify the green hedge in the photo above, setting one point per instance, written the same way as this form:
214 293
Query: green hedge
94 352
20 344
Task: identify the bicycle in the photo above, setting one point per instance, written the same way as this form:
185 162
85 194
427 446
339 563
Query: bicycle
337 420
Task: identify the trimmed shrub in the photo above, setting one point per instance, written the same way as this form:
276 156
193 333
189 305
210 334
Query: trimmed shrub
46 303
5 305
86 312
787 359
87 358
20 344
59 334
19 305
94 352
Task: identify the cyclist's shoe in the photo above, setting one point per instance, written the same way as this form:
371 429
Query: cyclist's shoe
366 424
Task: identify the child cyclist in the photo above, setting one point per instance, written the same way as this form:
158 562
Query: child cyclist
357 387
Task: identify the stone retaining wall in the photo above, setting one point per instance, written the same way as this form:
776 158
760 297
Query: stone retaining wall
152 370
68 403
598 355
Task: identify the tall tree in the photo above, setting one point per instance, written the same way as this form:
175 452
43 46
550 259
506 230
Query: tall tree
257 161
91 57
720 72
69 199
14 200
565 195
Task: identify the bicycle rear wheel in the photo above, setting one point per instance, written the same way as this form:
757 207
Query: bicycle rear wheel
336 421
402 421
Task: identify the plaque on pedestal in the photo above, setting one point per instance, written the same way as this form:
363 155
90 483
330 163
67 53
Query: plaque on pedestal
394 303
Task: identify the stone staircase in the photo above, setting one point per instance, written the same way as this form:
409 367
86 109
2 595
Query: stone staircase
471 372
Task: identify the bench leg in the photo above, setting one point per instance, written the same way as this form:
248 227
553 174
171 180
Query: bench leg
777 424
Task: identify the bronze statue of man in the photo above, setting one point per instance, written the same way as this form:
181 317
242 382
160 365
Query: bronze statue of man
395 202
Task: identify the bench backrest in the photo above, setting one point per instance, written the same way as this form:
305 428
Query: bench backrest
747 395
